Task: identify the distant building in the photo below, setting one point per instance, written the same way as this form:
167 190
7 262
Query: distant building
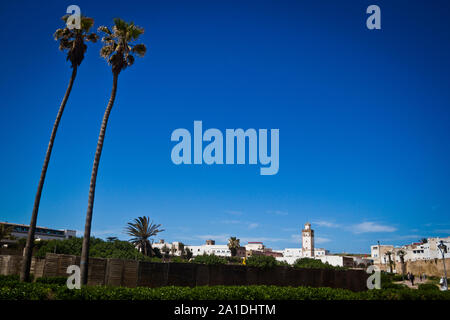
256 246
378 253
210 247
21 231
412 252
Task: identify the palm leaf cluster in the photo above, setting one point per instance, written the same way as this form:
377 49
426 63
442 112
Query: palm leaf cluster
72 40
233 245
141 230
119 49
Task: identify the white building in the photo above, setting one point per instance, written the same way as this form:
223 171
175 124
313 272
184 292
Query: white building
216 249
426 251
413 252
21 231
210 247
255 246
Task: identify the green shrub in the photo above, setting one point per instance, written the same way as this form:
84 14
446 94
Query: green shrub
266 262
397 277
311 263
283 264
234 260
52 280
176 259
12 289
209 259
9 280
428 286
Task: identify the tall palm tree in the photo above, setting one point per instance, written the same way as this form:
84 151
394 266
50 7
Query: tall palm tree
142 230
73 42
233 245
118 50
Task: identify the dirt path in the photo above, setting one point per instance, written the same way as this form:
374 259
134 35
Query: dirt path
408 283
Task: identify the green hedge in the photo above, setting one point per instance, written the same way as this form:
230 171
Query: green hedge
265 262
209 259
98 248
428 286
61 280
311 263
12 289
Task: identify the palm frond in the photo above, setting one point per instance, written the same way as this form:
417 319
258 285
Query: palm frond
72 40
118 49
139 49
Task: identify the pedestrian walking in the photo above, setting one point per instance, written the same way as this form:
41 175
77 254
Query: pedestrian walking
412 279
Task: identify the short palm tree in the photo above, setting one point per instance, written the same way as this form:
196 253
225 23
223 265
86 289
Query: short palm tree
119 51
233 245
73 42
389 254
142 230
401 254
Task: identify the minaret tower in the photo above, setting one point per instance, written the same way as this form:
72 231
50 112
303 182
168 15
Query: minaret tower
308 241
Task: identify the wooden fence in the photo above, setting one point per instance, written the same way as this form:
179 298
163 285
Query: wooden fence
131 273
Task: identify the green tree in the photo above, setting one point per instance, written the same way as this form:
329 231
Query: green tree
188 254
142 229
165 250
73 42
181 249
99 249
118 50
313 264
261 261
209 259
233 245
5 232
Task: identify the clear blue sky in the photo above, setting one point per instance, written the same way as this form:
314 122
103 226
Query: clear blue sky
363 118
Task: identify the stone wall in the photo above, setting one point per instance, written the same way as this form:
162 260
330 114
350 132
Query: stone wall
131 273
433 267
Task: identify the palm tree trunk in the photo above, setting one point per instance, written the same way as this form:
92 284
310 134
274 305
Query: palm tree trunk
26 263
87 228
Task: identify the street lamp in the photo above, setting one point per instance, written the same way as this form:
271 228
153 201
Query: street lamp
443 248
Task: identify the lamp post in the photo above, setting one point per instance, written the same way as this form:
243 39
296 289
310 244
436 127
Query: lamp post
443 248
